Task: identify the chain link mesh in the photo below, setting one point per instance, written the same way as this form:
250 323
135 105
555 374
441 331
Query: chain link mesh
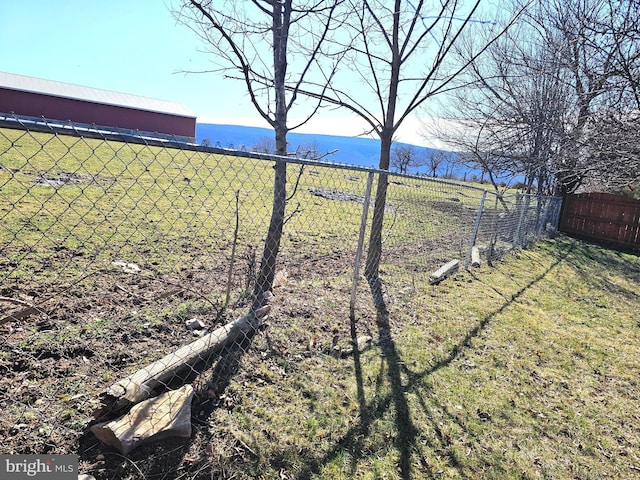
116 254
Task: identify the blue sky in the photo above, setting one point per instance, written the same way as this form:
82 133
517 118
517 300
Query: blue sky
135 46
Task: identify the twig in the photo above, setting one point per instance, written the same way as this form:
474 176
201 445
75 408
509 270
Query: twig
295 188
395 215
22 313
16 301
192 291
233 251
204 466
120 287
166 294
291 215
247 448
142 475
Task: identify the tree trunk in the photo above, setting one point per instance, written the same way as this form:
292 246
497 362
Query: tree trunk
266 274
374 254
264 282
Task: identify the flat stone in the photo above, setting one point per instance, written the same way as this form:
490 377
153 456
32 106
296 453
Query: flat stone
167 415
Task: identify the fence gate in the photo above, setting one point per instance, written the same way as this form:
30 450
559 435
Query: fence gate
603 217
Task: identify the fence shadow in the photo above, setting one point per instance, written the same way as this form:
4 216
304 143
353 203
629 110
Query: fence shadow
353 440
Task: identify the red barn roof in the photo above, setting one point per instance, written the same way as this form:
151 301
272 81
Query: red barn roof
32 96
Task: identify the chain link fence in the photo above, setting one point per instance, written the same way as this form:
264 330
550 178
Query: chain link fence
127 266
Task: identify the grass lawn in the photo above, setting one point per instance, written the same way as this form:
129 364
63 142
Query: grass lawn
525 370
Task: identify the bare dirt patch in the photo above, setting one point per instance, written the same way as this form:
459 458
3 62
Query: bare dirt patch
57 359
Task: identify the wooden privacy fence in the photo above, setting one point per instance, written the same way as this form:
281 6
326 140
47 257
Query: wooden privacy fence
603 217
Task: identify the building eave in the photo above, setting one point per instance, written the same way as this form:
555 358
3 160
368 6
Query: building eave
12 81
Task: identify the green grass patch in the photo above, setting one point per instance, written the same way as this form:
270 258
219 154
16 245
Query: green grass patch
512 372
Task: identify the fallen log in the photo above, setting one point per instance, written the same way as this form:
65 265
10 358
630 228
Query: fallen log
475 257
443 272
145 382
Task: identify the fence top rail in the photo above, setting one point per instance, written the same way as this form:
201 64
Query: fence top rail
44 125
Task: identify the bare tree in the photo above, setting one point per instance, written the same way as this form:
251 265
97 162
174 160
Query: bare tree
434 160
551 96
308 149
615 143
614 138
399 51
477 148
265 145
404 157
511 108
599 42
254 42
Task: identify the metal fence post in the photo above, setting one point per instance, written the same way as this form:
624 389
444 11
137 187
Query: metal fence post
519 205
541 215
476 227
359 249
523 224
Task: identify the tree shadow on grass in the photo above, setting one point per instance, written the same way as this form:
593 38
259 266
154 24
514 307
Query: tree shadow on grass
406 430
588 255
397 400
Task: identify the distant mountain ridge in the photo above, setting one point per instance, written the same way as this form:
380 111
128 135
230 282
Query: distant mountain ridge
359 151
